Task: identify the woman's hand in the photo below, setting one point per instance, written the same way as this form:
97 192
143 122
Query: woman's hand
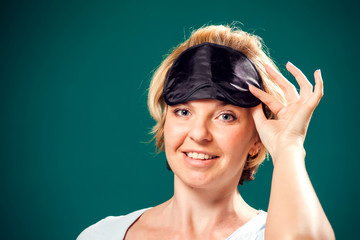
294 210
289 129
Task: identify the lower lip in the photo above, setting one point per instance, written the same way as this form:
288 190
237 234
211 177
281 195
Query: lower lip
199 162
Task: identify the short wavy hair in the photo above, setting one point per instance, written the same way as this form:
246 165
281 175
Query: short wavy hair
250 45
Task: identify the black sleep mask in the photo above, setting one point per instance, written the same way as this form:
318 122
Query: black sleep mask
212 71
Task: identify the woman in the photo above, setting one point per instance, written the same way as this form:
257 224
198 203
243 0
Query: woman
220 106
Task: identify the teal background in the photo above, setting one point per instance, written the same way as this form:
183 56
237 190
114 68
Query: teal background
73 118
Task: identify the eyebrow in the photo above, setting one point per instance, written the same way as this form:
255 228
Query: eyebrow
223 104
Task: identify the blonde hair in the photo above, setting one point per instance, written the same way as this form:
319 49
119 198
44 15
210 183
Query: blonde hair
249 44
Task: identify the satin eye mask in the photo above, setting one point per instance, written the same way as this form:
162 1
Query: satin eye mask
212 71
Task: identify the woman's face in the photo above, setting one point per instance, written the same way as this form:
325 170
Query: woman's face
207 141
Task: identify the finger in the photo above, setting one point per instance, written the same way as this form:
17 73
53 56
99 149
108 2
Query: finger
258 115
289 90
273 103
318 89
306 87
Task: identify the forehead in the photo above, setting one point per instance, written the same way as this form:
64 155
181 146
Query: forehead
210 104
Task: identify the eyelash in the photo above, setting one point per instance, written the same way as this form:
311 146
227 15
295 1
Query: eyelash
178 112
233 117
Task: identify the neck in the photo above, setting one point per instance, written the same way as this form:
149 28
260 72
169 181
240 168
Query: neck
204 209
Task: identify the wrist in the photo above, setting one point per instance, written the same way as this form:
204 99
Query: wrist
290 153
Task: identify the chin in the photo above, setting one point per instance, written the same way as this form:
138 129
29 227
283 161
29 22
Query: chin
197 179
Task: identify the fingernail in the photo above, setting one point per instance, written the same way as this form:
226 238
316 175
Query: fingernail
290 63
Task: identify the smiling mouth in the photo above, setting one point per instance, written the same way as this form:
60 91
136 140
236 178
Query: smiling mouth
200 156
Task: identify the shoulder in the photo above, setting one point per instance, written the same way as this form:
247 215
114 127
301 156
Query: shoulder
253 229
112 227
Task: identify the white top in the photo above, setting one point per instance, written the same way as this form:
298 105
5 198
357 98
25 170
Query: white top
114 228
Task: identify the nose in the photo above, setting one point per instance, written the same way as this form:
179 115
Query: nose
200 131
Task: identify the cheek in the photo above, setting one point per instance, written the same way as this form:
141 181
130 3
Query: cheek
173 134
235 142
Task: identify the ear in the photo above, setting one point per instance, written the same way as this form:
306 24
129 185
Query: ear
256 147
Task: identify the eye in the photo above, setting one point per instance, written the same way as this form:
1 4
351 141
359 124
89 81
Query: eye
181 112
227 117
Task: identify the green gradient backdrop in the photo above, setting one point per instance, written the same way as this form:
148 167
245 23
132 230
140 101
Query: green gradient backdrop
74 122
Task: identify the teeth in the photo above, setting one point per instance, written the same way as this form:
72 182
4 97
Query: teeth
201 156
